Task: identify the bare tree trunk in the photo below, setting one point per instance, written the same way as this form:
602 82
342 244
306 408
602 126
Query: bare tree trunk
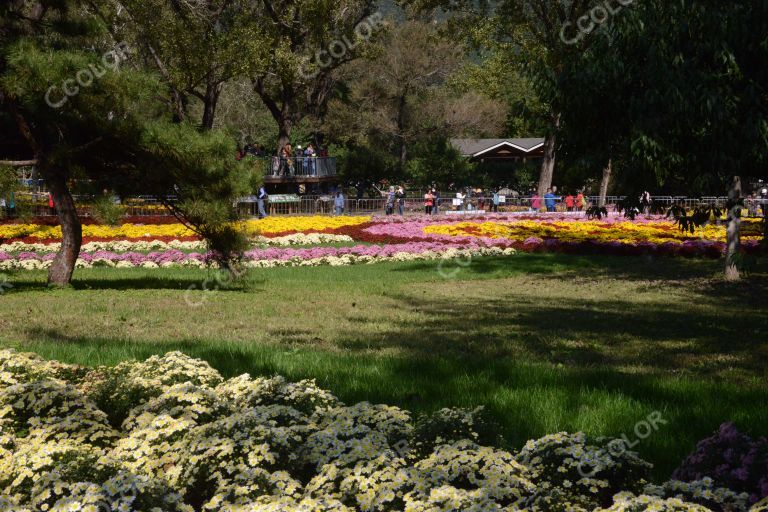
60 273
548 164
607 172
733 238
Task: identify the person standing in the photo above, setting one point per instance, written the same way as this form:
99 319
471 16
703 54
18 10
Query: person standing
429 202
645 202
286 157
550 201
390 203
535 202
481 200
495 202
339 202
309 160
261 200
580 202
435 202
570 201
400 198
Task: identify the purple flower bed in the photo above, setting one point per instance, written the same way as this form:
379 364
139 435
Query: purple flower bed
732 459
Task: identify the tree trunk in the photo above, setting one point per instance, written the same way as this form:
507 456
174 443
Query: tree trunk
733 238
211 100
401 111
285 126
605 182
60 273
548 164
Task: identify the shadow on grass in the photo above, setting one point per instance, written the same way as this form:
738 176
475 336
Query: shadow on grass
166 280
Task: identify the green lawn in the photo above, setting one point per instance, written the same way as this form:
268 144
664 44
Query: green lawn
547 343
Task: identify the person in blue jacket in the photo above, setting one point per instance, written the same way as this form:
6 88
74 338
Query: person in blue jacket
550 200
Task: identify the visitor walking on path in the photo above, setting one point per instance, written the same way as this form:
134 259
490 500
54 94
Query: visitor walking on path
261 199
429 202
435 202
338 202
400 198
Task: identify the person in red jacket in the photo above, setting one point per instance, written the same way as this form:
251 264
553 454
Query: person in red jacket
429 202
569 202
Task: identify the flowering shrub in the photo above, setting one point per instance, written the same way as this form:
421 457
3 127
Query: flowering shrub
303 396
376 485
189 441
19 368
701 492
732 459
51 410
130 384
573 473
73 476
348 435
495 477
453 424
628 502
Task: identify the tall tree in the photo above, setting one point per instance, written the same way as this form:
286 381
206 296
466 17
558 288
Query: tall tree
196 47
691 79
52 137
74 112
307 41
542 36
408 98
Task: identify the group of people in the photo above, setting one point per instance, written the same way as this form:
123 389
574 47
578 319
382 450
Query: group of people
396 199
573 203
307 157
757 202
289 160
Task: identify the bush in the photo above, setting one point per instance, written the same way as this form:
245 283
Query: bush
491 476
105 211
182 439
572 473
732 460
702 492
118 390
628 502
303 396
454 424
49 410
71 476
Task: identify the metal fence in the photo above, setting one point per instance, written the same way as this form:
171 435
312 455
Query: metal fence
144 206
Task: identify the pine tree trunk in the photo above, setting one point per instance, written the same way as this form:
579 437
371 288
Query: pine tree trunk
548 164
733 238
607 172
60 273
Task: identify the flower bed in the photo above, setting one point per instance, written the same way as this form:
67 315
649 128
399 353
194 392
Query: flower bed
170 434
378 239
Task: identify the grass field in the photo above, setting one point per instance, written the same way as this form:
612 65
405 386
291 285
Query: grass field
546 343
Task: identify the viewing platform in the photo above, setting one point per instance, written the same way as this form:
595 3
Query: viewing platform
278 170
